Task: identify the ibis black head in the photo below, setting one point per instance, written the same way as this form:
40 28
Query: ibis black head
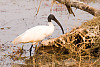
52 17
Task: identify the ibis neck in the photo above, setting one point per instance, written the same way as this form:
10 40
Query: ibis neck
50 24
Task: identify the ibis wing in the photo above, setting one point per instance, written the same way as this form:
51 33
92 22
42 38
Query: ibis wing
36 34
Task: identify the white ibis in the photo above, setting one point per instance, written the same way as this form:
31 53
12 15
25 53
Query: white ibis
37 33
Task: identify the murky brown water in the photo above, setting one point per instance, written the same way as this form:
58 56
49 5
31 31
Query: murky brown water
16 16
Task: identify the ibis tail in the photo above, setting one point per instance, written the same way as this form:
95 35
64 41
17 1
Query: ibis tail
16 40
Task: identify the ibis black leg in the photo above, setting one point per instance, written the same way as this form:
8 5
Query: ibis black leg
31 49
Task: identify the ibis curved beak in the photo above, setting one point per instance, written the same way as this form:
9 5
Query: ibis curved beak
59 25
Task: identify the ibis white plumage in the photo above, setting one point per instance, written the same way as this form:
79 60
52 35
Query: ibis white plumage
37 33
